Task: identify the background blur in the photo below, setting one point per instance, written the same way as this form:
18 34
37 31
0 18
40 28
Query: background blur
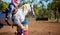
44 9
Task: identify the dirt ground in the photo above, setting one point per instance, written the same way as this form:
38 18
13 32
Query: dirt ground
44 28
35 28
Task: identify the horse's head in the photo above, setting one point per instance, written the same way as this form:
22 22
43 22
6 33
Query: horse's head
30 9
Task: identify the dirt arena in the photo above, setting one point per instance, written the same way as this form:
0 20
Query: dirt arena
35 28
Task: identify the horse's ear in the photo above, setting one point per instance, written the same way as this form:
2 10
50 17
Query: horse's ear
30 4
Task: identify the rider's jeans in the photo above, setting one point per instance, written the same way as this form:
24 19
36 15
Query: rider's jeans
11 8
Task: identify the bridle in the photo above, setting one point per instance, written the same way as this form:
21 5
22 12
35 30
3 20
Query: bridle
31 7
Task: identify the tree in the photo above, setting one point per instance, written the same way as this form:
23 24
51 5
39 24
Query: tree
35 7
3 6
55 6
0 1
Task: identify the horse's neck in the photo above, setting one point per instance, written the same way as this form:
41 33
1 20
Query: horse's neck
23 11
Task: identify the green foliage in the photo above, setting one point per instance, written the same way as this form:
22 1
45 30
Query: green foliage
39 10
0 1
35 7
55 6
3 6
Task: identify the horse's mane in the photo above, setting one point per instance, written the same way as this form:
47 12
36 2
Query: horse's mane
25 5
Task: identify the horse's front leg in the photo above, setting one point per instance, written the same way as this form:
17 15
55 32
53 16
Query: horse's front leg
20 31
20 27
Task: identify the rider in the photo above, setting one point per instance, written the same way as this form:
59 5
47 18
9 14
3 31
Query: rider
13 6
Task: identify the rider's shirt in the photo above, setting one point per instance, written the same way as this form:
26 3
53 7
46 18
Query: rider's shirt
12 5
15 2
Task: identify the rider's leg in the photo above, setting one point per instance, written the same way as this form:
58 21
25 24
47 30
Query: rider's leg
8 12
11 8
9 15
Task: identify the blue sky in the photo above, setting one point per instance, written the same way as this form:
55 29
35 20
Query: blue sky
6 0
10 0
35 1
46 3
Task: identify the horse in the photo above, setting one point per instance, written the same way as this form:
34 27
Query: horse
20 15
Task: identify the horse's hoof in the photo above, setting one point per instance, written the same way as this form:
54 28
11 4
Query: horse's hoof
16 32
1 25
